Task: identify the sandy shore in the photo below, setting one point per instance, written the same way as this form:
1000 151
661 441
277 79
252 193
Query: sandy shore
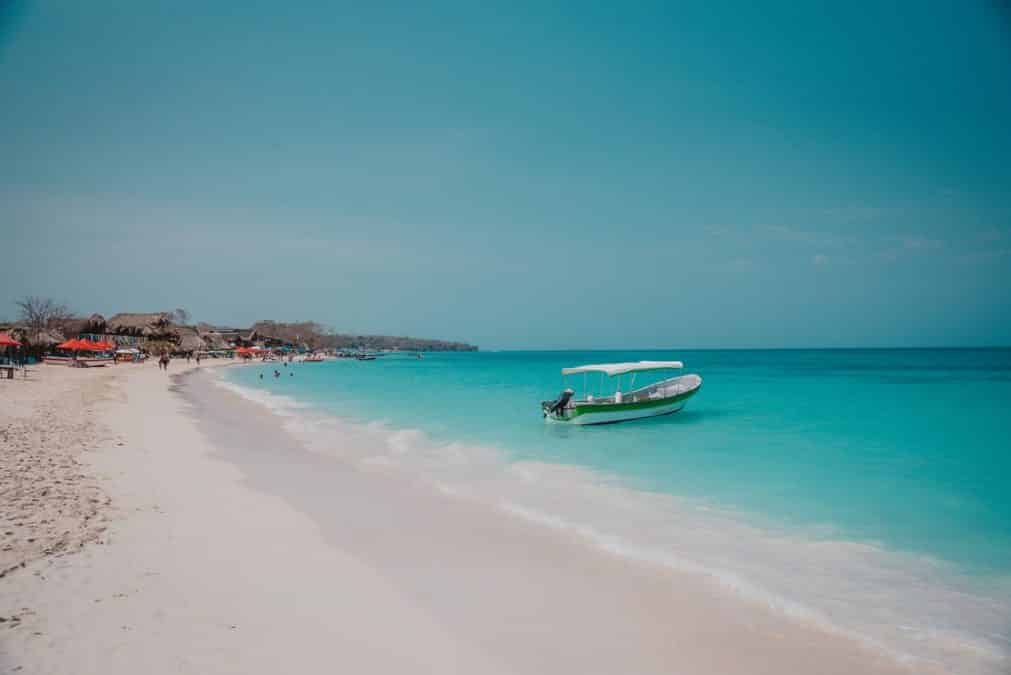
180 529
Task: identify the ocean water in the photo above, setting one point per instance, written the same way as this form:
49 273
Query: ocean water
867 491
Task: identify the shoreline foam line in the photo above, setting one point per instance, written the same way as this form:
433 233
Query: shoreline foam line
511 487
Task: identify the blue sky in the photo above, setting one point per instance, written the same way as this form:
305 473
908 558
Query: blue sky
527 175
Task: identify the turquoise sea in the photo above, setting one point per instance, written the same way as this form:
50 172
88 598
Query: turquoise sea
867 490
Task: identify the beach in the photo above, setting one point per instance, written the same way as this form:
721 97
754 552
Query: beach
218 543
553 338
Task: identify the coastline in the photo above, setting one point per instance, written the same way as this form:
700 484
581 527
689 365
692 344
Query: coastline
231 547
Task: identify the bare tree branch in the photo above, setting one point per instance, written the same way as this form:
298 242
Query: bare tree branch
38 314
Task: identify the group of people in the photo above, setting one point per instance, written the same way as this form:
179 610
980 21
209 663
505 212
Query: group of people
165 359
277 373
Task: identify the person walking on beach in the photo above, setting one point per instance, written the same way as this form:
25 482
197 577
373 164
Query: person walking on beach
198 358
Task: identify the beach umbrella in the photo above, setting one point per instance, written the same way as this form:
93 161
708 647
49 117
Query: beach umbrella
7 343
85 345
90 346
78 346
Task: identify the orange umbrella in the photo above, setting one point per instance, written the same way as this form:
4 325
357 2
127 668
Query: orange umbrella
7 341
90 346
79 346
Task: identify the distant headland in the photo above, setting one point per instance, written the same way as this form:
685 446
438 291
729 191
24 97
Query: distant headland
42 324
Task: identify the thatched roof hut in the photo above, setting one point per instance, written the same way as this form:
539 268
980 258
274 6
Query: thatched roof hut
190 340
215 341
72 326
151 325
217 337
95 324
45 339
43 342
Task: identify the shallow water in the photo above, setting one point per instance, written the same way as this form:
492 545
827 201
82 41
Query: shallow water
865 490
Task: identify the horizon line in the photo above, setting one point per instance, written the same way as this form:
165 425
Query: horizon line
750 349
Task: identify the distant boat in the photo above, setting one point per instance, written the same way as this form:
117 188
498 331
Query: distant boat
315 358
366 357
660 398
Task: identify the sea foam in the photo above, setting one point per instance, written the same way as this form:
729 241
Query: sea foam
913 608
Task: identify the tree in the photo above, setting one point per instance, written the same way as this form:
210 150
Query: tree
179 316
38 314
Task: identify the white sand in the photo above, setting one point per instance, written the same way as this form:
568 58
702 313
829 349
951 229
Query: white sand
198 572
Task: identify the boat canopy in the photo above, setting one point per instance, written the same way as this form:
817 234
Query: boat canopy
612 369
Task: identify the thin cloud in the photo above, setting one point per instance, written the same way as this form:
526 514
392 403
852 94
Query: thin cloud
805 236
916 243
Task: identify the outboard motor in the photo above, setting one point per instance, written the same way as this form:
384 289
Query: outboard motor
557 407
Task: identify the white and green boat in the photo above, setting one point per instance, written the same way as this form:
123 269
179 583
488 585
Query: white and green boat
664 397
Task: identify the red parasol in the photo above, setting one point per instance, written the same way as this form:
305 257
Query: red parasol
89 346
82 346
7 341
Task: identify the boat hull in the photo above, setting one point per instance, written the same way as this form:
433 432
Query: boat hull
610 417
609 413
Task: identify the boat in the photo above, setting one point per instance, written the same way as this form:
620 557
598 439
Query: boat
130 355
667 396
316 357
